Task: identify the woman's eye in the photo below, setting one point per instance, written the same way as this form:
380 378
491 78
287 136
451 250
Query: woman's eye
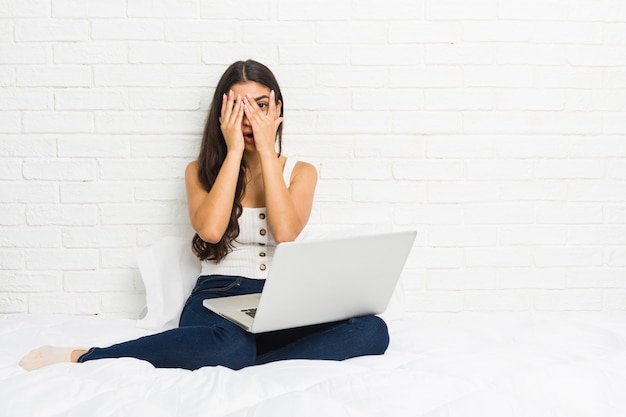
262 105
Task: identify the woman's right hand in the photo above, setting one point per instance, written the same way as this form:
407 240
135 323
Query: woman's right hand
231 118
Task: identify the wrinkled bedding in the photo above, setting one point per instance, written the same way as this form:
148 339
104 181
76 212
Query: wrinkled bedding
465 365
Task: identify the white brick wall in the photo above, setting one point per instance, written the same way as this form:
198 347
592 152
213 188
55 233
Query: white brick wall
495 128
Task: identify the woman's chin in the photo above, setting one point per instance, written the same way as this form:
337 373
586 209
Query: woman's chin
250 146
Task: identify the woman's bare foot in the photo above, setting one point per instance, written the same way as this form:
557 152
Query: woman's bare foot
76 354
49 355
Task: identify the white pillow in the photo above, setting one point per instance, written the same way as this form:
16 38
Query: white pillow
169 271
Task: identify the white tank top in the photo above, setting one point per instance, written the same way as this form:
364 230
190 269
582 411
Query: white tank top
254 247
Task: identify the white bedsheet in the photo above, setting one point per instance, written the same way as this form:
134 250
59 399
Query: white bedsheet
462 365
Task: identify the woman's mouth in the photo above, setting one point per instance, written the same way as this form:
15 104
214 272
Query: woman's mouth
248 137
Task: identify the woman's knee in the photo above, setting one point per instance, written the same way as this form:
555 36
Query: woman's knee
374 333
238 348
225 346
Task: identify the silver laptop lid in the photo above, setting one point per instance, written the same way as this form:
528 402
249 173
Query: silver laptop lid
321 281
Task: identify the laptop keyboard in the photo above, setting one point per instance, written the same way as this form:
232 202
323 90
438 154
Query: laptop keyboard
249 311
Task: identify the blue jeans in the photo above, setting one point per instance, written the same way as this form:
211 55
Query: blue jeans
205 339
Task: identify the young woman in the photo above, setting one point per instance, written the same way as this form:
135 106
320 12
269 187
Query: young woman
244 197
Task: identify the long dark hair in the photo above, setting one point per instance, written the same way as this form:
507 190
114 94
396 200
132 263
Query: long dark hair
213 152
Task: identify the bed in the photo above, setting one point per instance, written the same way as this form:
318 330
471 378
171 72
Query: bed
437 365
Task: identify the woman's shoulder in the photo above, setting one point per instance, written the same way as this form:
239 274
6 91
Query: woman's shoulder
302 169
192 166
192 180
297 164
191 171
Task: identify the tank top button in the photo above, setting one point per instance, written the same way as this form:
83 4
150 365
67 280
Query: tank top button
262 254
263 232
262 216
262 267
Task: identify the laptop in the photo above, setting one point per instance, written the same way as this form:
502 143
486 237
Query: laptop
321 281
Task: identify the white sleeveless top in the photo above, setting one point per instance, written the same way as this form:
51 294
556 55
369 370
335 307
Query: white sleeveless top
254 247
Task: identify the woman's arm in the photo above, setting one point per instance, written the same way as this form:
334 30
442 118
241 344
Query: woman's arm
209 211
288 209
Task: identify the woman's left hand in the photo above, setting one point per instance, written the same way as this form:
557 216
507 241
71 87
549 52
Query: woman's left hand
264 122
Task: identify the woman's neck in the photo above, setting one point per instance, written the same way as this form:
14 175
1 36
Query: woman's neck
255 185
254 195
253 161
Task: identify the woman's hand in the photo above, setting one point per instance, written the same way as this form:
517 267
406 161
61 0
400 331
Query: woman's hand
264 121
230 121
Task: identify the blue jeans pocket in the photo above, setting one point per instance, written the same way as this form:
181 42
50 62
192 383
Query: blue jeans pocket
213 286
216 283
